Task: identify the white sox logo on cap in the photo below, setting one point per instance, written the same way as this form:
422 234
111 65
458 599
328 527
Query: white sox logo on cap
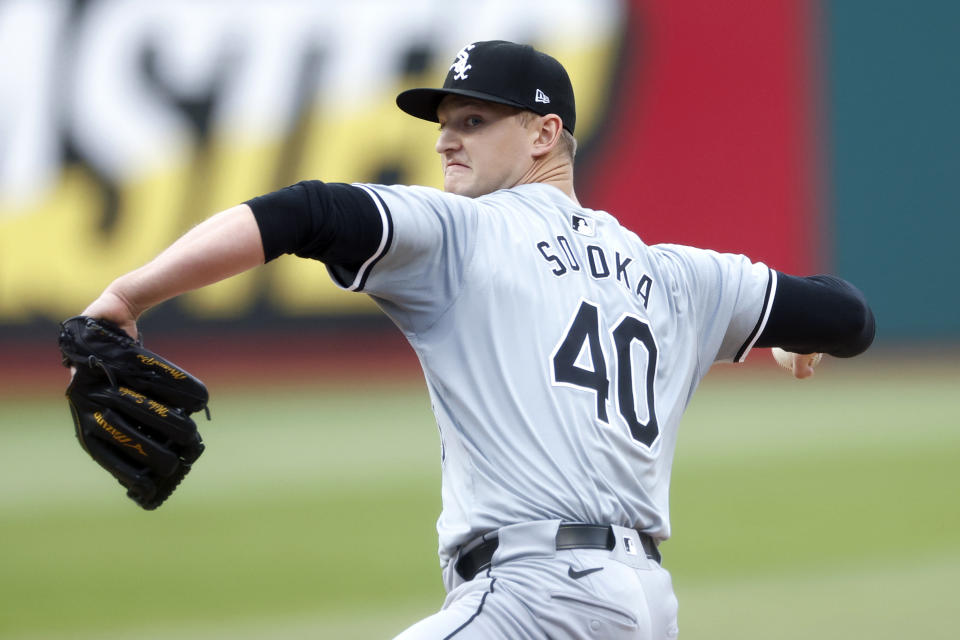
460 66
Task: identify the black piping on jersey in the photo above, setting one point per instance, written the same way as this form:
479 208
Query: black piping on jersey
386 238
762 320
476 613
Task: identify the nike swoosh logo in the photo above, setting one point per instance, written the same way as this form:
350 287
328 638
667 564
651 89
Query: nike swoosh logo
576 575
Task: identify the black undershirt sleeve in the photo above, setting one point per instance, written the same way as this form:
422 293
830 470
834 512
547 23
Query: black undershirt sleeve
338 224
820 313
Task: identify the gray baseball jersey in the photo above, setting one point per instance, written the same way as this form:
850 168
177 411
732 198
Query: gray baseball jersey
559 350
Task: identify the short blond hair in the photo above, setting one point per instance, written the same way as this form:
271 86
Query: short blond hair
569 144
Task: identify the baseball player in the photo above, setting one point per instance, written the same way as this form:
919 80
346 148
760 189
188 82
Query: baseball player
559 350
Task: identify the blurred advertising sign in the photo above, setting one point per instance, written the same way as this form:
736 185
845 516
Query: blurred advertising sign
124 123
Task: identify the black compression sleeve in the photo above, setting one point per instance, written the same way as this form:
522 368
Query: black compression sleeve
818 314
338 224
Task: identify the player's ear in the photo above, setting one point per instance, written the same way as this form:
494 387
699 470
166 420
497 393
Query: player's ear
547 130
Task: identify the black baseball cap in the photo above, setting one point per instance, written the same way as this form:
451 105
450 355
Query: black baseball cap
504 72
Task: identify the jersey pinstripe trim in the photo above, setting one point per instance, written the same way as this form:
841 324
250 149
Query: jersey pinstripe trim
385 240
764 316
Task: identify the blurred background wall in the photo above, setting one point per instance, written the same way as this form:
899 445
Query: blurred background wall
892 154
811 135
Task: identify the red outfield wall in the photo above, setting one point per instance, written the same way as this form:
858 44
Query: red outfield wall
712 139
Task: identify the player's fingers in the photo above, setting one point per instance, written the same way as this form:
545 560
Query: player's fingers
801 368
803 364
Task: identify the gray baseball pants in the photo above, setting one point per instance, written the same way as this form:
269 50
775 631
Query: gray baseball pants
532 590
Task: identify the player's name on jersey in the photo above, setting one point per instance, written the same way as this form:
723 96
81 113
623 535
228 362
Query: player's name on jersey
600 263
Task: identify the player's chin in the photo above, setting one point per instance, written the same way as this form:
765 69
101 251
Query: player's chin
457 185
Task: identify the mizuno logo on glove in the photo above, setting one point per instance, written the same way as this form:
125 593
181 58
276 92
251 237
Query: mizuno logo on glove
117 435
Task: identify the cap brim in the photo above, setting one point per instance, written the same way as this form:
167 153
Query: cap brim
423 103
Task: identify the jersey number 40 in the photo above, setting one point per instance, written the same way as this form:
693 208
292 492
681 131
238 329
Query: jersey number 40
584 335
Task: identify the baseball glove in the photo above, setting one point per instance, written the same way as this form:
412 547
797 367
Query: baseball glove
131 408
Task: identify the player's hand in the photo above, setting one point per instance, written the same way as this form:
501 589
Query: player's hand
800 364
112 307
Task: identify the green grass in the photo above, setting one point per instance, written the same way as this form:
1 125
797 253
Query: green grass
824 508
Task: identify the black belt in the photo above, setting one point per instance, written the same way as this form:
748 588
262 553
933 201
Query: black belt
477 556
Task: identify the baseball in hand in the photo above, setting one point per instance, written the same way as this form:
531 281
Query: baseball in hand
788 360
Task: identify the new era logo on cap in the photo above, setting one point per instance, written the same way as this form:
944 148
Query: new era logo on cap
503 72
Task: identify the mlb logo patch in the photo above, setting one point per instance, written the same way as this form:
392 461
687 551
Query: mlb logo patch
628 547
583 226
